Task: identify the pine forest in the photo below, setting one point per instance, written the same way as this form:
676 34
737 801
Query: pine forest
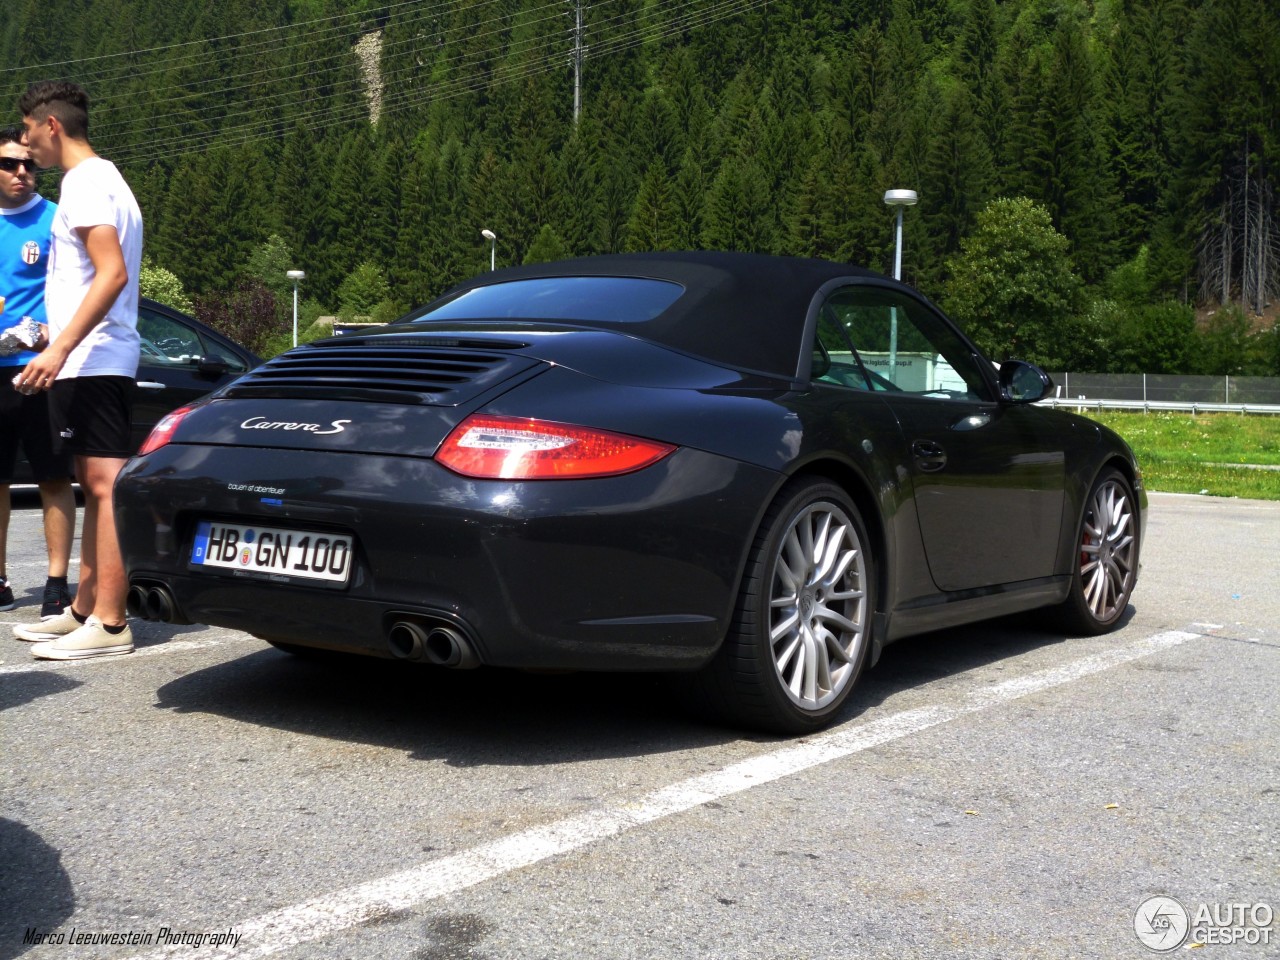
1097 181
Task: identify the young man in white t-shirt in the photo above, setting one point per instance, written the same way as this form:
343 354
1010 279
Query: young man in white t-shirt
89 366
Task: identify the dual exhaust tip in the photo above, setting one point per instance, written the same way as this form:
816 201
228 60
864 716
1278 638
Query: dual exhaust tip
438 644
152 601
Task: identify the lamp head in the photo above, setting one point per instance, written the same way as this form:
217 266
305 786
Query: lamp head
488 235
900 198
295 274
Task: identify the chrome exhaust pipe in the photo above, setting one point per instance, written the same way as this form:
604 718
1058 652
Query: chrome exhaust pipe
446 647
407 640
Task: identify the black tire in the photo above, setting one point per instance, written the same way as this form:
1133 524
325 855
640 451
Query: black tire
802 628
1106 558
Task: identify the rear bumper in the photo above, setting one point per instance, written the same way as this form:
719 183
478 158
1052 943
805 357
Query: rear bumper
628 573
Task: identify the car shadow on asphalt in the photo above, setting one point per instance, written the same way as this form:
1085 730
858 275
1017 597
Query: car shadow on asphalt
494 716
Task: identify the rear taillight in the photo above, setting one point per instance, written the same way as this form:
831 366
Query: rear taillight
520 448
162 432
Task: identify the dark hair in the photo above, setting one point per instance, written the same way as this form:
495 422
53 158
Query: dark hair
11 134
67 101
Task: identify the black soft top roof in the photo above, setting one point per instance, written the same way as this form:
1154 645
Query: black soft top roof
742 310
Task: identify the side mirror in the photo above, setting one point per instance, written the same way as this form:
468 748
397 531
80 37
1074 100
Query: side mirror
1022 382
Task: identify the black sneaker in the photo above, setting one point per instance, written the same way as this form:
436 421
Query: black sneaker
6 595
57 598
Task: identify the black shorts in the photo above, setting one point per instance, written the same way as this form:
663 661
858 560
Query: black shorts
92 416
24 423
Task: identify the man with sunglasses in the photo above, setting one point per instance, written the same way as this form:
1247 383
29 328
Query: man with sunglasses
91 362
26 219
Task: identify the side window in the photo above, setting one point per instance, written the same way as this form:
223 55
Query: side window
905 347
166 342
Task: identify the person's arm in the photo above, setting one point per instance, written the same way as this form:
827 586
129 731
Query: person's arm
110 276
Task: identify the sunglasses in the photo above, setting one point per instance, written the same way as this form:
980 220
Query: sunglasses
11 164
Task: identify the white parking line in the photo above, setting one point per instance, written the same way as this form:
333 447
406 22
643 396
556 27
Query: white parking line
340 911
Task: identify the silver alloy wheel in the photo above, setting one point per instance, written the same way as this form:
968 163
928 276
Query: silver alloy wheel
817 606
1108 547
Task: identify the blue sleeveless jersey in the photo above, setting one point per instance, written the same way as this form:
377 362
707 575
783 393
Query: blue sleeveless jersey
24 261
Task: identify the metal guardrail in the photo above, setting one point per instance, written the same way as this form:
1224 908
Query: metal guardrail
1162 391
1081 404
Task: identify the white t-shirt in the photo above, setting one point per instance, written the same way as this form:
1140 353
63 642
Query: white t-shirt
94 194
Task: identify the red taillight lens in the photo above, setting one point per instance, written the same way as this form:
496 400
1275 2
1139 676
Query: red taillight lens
520 448
162 432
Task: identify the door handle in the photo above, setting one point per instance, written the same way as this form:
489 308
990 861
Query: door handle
150 385
929 455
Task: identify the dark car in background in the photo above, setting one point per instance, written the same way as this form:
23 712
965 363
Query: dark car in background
755 469
181 359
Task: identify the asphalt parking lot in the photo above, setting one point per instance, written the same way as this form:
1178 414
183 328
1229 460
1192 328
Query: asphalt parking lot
990 792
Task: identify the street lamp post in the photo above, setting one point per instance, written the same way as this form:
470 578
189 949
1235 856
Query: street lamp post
899 199
493 248
295 276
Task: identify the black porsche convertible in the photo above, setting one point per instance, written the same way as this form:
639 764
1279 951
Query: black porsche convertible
759 469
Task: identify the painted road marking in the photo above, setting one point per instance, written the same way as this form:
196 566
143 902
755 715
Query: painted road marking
342 910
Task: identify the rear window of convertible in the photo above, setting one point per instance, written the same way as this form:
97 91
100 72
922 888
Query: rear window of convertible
617 299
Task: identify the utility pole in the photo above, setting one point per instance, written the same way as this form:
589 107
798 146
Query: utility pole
575 57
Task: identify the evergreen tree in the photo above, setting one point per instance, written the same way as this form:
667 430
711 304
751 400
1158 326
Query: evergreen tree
655 136
956 179
976 54
362 290
687 200
738 214
807 215
301 203
684 89
652 222
489 208
1141 72
347 237
864 232
579 186
547 246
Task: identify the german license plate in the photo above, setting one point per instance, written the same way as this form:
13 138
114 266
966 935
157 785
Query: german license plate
273 551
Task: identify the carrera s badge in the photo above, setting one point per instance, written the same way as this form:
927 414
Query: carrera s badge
261 423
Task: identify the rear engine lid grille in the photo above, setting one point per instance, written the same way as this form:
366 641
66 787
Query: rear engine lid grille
437 371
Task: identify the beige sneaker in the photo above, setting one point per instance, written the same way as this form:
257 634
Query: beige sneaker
89 640
50 629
